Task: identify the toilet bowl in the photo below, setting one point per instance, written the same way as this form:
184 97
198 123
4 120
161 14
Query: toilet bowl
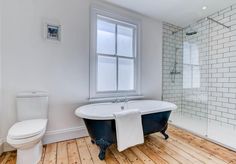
26 137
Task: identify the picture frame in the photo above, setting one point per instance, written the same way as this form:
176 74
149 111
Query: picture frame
52 31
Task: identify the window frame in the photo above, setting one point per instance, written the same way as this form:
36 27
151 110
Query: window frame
126 21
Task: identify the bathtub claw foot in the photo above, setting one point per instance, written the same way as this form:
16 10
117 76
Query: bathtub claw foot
163 132
103 145
102 155
165 135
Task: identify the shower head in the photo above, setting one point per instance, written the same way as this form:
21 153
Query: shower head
188 33
191 33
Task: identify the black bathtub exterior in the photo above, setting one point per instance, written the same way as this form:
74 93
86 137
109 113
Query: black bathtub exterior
103 132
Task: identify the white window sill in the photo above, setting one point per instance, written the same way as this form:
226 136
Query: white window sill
109 99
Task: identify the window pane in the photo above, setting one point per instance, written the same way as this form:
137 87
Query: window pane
105 37
126 74
187 49
124 41
106 74
194 54
196 77
187 76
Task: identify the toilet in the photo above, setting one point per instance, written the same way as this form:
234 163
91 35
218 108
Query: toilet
26 134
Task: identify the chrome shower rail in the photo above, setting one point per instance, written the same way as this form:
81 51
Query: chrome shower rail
207 18
213 20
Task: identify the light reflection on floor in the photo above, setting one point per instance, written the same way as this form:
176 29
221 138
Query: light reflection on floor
221 133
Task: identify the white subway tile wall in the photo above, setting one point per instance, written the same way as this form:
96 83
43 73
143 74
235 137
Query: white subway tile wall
222 92
172 84
215 99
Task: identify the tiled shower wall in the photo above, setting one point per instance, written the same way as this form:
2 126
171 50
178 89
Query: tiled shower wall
216 97
172 43
222 68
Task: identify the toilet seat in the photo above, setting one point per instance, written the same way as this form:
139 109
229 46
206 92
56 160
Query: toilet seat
26 134
27 129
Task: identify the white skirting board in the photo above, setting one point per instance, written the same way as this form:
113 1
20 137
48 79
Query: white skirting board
1 145
64 134
54 136
7 147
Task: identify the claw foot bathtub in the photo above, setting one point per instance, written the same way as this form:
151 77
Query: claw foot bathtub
100 122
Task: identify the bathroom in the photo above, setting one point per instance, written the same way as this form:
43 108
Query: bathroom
185 54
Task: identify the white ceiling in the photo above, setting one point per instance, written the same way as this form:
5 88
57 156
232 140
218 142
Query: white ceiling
178 12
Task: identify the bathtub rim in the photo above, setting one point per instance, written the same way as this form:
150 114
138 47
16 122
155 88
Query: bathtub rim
111 117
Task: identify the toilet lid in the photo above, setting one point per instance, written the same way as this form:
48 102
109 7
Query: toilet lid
28 128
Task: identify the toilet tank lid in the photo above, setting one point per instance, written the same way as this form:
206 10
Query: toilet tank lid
32 94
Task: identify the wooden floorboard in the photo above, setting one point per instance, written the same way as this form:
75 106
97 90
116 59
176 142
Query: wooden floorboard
84 153
62 155
210 148
133 158
181 148
50 156
73 152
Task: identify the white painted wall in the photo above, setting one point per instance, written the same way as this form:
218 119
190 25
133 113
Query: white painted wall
62 69
151 59
1 110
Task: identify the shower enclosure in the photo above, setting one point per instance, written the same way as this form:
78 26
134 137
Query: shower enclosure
199 76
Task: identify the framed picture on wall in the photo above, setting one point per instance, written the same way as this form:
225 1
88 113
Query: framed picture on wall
52 31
